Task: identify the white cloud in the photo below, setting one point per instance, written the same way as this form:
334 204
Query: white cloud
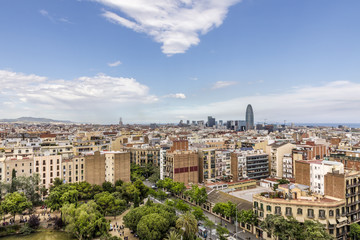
175 24
194 78
114 64
176 95
81 93
223 84
52 18
44 12
337 101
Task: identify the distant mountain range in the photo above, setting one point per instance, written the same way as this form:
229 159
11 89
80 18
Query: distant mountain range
33 120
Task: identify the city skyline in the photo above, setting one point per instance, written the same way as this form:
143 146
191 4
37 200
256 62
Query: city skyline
93 61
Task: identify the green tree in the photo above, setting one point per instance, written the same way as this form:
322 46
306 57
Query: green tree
177 188
108 187
152 227
155 176
13 187
84 221
247 216
57 182
354 231
197 194
173 235
30 187
182 206
198 213
315 230
283 181
15 203
222 232
70 196
132 218
143 189
220 208
291 229
188 224
109 204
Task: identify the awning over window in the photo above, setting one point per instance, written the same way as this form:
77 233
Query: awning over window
332 221
342 219
323 221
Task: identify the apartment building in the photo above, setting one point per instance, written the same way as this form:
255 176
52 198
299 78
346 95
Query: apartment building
345 186
223 163
276 152
48 168
107 166
207 164
73 169
24 166
312 173
145 155
310 151
182 166
294 200
288 169
350 159
249 164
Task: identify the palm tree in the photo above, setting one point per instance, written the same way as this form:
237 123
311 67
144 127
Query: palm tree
173 235
188 223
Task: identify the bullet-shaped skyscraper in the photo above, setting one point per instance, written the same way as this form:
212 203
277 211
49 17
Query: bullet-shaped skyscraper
249 117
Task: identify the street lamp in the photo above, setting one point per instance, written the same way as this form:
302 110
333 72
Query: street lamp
236 221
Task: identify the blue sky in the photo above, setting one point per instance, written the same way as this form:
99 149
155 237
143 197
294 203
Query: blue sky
162 61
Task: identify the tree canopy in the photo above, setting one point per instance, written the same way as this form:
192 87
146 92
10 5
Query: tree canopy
84 221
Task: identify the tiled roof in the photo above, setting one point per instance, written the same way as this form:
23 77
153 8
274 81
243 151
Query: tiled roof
216 196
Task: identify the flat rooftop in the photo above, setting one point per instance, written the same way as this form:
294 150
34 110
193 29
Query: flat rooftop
248 194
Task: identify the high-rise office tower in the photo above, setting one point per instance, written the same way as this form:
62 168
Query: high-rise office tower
249 118
211 121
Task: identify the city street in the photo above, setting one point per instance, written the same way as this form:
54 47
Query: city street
241 234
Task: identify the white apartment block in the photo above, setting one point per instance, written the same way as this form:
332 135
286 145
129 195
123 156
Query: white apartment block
318 170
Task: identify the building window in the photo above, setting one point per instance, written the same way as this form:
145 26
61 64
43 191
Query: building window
288 211
44 169
337 213
310 213
299 211
37 163
37 169
51 174
44 163
43 181
255 204
331 213
44 175
58 168
51 162
57 161
278 210
321 213
268 208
